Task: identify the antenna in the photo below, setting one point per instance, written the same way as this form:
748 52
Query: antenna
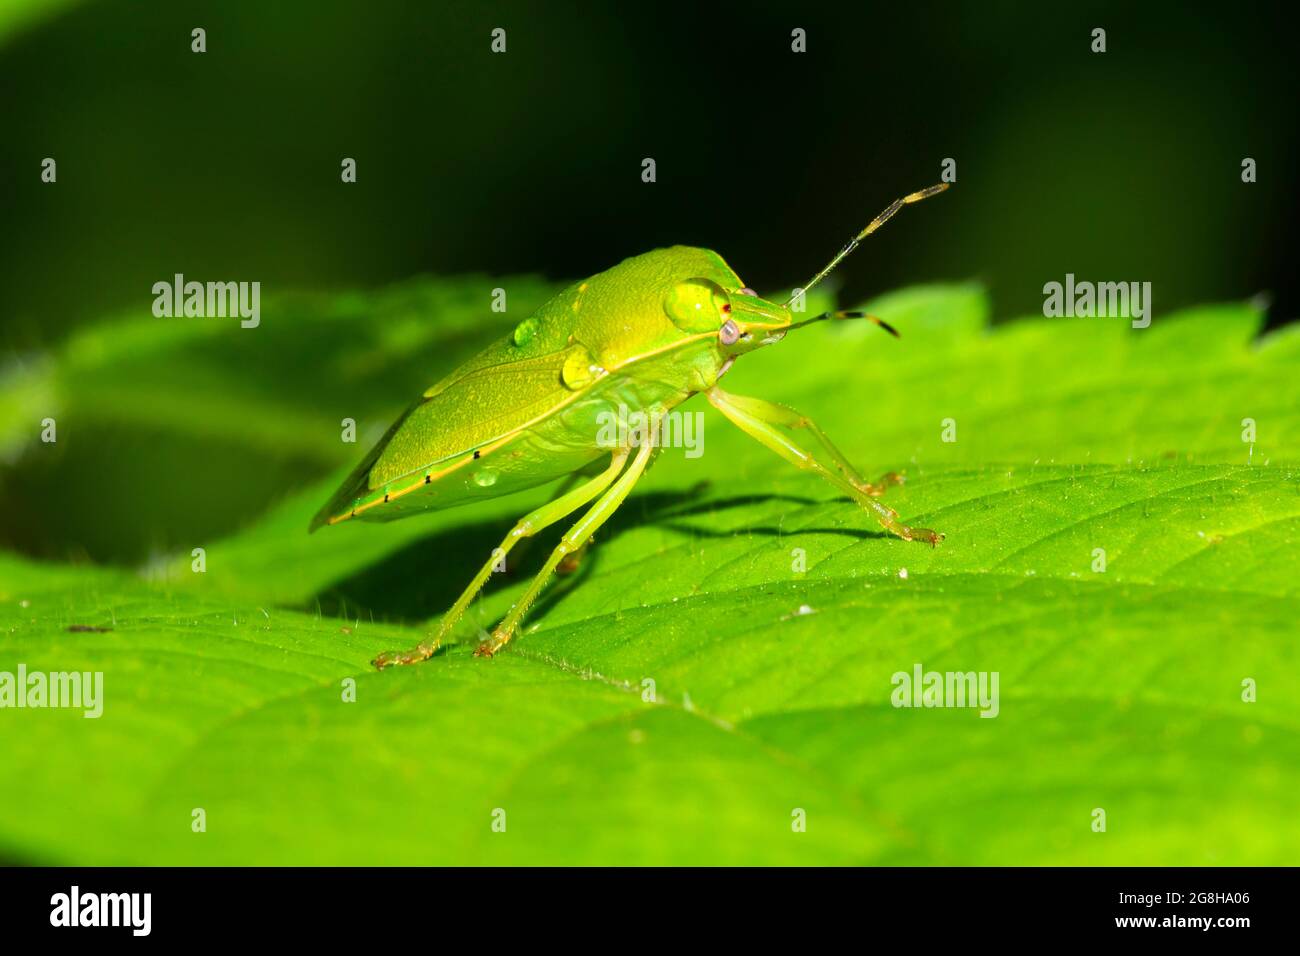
844 315
872 226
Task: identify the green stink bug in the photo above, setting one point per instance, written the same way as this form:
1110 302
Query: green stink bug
645 335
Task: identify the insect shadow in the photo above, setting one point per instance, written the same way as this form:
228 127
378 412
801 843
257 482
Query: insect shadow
417 583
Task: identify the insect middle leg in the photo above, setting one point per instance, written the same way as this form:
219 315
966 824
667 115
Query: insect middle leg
543 517
573 539
759 418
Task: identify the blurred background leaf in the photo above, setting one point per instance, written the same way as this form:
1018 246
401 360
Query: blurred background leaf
178 429
225 165
17 15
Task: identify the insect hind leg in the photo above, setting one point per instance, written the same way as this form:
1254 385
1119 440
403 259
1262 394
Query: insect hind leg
573 560
573 539
543 517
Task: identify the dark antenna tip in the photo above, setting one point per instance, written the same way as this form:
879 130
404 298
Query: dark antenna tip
870 318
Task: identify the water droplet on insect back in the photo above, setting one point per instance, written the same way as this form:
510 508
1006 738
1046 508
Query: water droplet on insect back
485 478
525 331
578 370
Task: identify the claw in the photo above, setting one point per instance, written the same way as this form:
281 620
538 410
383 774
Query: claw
420 652
493 644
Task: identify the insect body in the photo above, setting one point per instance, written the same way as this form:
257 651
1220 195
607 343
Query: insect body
643 336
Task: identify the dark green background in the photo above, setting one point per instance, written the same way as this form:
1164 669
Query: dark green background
1121 166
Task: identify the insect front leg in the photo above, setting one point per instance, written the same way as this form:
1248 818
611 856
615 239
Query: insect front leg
759 418
777 414
544 516
573 539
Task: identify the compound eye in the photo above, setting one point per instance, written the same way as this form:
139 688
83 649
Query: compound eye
747 291
729 334
697 305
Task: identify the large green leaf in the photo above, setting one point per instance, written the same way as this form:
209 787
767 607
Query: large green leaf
1120 690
